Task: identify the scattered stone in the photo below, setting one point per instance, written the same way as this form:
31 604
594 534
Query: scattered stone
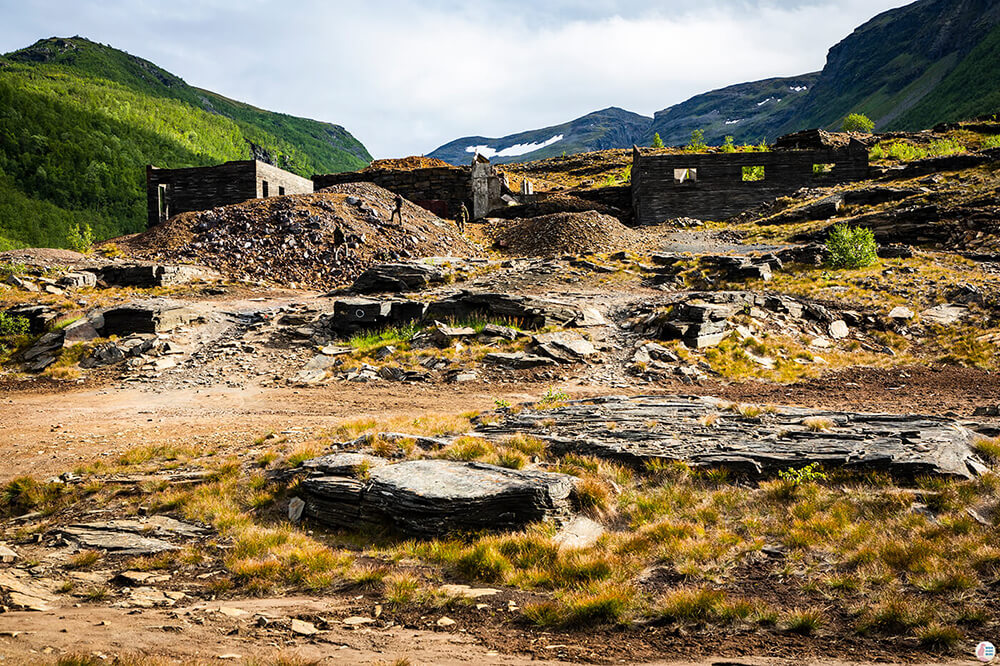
901 313
517 360
589 317
580 532
445 621
467 591
26 594
295 508
7 554
303 628
78 280
945 314
358 621
838 329
138 578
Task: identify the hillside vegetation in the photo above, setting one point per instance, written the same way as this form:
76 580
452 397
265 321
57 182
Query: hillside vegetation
80 121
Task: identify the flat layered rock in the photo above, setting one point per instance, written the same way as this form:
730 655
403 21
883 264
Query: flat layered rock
132 537
147 317
635 431
399 277
437 497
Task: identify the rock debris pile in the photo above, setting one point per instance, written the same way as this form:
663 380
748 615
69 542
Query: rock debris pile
318 240
564 233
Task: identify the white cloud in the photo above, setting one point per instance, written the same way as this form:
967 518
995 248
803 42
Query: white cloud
405 78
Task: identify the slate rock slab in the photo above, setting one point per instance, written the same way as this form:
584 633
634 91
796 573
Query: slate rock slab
132 537
147 317
438 497
399 277
637 430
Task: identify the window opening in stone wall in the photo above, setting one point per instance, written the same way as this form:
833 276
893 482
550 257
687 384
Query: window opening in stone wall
822 169
682 176
281 191
263 188
162 194
752 174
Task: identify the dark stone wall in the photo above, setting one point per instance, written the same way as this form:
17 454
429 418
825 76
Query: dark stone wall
201 188
719 190
435 188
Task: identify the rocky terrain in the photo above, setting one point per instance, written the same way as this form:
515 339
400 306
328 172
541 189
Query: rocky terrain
553 438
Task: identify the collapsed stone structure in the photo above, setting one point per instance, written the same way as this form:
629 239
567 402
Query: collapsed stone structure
173 191
439 189
712 186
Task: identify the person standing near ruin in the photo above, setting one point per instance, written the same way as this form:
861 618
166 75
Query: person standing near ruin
339 243
463 217
398 212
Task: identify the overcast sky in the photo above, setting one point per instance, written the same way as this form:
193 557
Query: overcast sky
406 77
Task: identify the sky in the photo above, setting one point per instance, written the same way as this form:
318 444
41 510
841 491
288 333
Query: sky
405 77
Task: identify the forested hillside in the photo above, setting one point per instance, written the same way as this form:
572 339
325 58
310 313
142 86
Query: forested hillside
79 121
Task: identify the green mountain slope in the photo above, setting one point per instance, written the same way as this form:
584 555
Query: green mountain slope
749 112
910 68
608 128
79 121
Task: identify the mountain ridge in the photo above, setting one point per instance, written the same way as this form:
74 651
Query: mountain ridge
81 120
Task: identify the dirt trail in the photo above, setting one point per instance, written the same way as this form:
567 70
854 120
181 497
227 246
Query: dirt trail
200 633
53 429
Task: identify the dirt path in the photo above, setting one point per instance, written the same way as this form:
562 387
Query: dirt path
51 429
202 633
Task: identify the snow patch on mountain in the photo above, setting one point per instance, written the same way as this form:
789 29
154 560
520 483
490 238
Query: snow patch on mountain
513 151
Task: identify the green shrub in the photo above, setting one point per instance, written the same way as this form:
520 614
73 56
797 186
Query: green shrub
80 237
851 247
727 145
858 122
697 143
657 141
13 325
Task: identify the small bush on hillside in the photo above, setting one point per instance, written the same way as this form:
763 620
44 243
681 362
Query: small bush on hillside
697 143
858 122
13 325
80 237
851 247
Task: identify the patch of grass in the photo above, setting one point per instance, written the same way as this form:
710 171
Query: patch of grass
817 423
401 589
83 559
25 494
468 449
937 636
988 450
804 622
368 341
593 496
602 606
893 615
302 453
483 562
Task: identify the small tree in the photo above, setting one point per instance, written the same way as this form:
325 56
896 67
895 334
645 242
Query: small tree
727 145
697 143
80 237
851 247
858 122
657 141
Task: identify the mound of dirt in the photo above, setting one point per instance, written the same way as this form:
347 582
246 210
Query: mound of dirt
406 164
563 233
555 203
291 239
46 257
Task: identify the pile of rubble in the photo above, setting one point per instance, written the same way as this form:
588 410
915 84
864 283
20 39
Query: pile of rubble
318 240
565 233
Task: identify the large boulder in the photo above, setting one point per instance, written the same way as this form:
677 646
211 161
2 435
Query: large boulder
399 277
434 497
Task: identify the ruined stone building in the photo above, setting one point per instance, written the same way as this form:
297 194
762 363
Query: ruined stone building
714 186
439 189
173 191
